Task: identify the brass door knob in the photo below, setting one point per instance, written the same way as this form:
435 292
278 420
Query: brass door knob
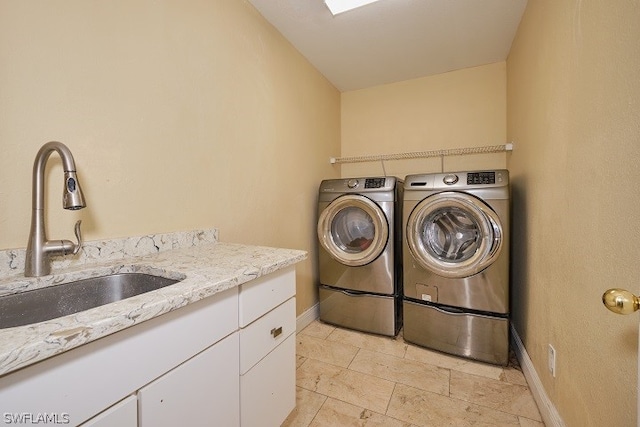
620 301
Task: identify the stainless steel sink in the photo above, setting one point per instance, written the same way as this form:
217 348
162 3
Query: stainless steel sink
56 301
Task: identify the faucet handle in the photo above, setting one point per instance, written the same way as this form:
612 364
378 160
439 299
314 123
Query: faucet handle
77 246
64 247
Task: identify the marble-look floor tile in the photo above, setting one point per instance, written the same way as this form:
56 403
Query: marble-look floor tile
514 375
346 385
423 408
456 363
318 329
336 353
512 398
335 413
416 374
308 404
526 422
371 380
513 372
300 360
381 344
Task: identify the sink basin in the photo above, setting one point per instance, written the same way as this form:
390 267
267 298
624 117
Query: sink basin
56 301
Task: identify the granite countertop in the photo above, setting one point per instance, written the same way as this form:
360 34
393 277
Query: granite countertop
205 266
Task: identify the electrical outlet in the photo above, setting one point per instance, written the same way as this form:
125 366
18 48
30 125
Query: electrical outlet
552 361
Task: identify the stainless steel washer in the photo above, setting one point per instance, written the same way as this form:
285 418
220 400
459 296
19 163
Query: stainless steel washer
456 263
359 254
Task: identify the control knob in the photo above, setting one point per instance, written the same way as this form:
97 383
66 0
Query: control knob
450 179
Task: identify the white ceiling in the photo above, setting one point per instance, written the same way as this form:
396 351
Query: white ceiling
396 40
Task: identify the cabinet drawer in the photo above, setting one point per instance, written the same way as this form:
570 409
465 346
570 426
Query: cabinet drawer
263 335
261 295
268 390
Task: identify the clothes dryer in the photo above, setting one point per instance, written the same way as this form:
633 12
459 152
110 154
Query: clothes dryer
359 253
456 263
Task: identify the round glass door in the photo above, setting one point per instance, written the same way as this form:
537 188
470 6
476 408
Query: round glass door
353 230
454 234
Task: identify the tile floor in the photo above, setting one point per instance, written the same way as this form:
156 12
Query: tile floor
348 378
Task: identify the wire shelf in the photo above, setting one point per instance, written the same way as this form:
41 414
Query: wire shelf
424 154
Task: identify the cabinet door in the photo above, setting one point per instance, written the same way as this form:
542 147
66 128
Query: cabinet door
268 390
203 391
122 414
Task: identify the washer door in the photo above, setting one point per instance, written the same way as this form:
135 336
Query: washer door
454 234
353 230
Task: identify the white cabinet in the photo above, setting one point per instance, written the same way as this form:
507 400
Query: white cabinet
202 391
227 360
87 380
122 414
267 349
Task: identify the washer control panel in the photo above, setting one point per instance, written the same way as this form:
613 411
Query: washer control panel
456 180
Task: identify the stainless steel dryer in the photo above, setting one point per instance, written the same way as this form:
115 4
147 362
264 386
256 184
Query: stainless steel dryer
456 263
359 254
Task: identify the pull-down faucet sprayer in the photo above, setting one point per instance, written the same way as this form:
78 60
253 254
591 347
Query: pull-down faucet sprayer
39 249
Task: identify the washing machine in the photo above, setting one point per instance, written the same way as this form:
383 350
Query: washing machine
456 263
359 253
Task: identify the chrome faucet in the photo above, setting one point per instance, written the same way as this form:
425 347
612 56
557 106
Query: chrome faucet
39 249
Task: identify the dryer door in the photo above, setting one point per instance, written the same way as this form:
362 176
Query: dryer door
454 234
353 230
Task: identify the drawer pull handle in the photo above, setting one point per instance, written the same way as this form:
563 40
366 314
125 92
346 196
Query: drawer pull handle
276 331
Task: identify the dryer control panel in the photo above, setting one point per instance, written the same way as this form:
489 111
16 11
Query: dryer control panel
481 178
360 185
374 183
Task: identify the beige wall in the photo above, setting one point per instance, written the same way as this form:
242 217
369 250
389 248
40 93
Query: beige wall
180 115
574 114
465 108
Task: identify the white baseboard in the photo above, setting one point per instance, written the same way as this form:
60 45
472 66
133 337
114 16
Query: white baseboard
548 411
307 317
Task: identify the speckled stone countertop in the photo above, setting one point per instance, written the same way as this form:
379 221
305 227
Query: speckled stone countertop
204 265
